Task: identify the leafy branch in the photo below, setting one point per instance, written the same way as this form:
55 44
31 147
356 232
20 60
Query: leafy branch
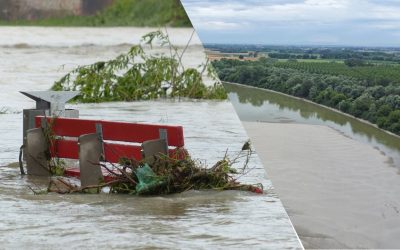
137 75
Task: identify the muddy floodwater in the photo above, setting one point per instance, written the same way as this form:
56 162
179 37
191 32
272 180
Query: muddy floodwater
31 59
337 177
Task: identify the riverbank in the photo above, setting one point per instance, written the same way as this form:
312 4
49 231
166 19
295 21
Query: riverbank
320 105
339 193
368 92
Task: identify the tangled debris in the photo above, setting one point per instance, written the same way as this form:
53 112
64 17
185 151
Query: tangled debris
165 175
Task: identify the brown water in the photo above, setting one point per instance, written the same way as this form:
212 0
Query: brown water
31 59
266 106
337 177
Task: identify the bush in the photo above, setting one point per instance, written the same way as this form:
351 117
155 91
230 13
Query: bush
139 76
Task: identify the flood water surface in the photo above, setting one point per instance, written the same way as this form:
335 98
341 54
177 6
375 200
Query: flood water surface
337 177
194 219
265 106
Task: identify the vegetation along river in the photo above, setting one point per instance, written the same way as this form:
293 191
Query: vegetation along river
337 177
31 59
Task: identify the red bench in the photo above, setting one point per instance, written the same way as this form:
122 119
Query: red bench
117 139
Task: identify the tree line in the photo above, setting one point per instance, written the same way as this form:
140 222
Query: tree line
369 100
367 54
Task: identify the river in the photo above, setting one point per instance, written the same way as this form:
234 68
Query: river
337 177
32 59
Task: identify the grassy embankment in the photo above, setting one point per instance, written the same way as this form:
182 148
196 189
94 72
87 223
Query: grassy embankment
149 13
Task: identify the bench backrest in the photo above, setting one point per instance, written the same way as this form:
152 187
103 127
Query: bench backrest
114 135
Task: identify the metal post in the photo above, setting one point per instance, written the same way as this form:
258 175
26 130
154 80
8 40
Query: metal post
90 151
37 150
155 147
99 132
164 136
54 101
48 103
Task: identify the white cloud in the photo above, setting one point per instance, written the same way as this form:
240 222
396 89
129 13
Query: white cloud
219 25
295 15
387 26
301 11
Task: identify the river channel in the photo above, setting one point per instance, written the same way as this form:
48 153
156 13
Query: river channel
338 177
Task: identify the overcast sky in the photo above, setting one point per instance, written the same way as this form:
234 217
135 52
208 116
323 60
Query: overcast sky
299 22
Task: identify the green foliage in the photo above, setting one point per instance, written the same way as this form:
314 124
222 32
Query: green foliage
369 92
371 74
137 75
353 62
55 164
144 13
344 106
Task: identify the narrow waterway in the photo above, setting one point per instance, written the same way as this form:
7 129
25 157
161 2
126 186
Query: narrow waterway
337 177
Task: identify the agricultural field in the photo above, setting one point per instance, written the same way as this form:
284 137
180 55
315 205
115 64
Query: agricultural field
372 74
356 86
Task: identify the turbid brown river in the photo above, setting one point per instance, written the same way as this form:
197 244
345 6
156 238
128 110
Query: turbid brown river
32 59
337 177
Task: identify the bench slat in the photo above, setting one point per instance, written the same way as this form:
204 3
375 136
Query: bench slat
115 131
113 152
66 149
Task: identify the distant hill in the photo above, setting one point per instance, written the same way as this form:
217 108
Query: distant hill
143 13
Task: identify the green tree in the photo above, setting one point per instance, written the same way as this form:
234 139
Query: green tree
345 106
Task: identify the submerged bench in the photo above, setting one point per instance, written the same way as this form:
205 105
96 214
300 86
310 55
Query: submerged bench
90 141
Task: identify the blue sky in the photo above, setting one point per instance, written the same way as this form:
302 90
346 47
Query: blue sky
297 22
